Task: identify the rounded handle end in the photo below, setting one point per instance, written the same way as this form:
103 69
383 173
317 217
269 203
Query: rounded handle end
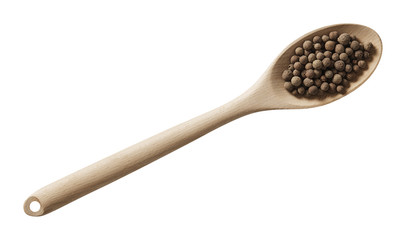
30 208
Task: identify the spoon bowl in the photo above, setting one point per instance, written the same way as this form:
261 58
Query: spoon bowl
271 86
266 94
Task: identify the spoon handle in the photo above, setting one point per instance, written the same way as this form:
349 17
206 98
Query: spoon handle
105 171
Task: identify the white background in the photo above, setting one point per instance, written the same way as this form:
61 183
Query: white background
81 80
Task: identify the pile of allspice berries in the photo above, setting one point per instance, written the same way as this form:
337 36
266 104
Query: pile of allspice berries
326 65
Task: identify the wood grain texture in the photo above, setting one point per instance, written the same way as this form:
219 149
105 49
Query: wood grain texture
267 93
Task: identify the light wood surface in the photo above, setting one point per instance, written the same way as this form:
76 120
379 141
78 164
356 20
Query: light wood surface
267 93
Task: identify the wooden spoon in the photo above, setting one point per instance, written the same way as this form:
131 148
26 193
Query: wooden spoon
267 93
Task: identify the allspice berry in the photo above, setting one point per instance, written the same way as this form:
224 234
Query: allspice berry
362 64
359 54
317 64
294 59
335 57
337 79
311 57
356 68
317 73
320 56
354 45
303 74
343 56
301 90
330 45
325 65
348 68
298 66
349 51
324 87
309 73
303 60
313 90
326 62
339 48
350 76
333 35
340 88
368 47
344 39
332 87
287 74
288 86
307 45
308 82
328 54
317 39
339 65
299 51
329 74
296 81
